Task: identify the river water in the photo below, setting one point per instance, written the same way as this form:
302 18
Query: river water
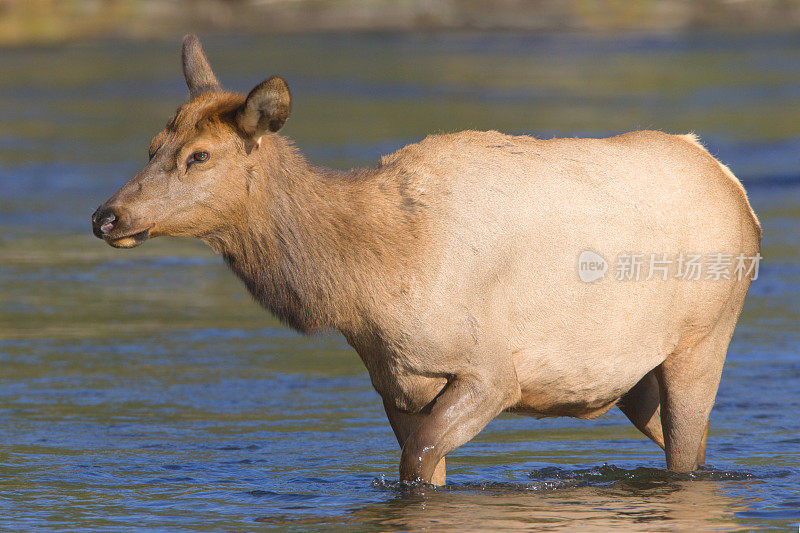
144 389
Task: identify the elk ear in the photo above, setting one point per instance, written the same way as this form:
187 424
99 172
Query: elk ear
266 108
196 69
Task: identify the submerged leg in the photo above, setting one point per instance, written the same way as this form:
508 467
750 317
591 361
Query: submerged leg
404 425
688 382
642 407
460 412
701 453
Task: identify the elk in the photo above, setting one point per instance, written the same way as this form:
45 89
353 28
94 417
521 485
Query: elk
451 267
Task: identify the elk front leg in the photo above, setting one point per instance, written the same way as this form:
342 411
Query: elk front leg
404 425
460 412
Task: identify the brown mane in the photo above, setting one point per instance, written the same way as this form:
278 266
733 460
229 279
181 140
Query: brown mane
317 247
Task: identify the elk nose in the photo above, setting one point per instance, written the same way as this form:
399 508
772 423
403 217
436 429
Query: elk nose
103 221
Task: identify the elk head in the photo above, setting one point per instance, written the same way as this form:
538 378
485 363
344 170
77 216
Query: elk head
200 164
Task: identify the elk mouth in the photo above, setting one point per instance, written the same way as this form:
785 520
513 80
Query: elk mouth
127 241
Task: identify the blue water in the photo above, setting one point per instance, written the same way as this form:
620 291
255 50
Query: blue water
143 389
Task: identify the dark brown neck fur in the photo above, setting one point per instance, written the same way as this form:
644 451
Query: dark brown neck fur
320 248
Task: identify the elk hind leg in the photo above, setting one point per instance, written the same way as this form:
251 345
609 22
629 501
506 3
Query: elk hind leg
688 382
642 406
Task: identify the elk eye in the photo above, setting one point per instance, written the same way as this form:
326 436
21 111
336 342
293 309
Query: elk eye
198 157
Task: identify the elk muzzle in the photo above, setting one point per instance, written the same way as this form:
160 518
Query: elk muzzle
113 226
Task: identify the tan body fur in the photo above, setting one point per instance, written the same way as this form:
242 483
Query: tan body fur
451 268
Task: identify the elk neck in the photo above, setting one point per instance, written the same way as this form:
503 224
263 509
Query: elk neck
324 249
